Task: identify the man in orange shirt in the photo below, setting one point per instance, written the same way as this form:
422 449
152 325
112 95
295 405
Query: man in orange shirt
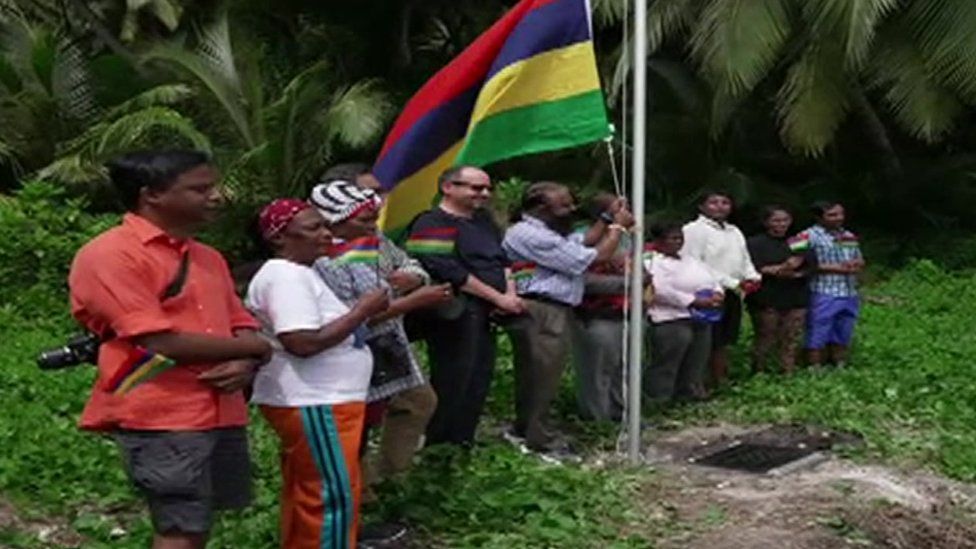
177 347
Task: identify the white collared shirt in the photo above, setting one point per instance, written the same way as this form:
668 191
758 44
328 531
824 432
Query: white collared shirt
722 248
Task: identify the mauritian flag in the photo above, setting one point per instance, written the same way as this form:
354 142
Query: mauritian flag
362 250
799 243
528 84
140 366
434 241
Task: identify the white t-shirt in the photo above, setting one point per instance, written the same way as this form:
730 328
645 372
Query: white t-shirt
287 297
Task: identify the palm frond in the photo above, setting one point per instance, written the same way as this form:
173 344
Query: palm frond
216 50
81 158
621 71
607 13
72 170
684 84
227 94
922 105
167 12
669 18
71 82
854 22
9 78
359 113
943 30
723 109
134 128
165 94
9 158
247 177
814 99
737 42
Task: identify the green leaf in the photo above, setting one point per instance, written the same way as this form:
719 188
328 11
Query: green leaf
358 114
814 99
922 105
943 30
853 22
737 42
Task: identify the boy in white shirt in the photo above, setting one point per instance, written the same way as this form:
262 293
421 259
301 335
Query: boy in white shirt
721 246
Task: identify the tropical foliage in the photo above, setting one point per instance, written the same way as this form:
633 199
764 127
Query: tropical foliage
866 100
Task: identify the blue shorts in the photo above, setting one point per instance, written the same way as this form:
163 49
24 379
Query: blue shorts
830 320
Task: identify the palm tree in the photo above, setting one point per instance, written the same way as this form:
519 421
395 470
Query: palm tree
276 146
828 60
54 123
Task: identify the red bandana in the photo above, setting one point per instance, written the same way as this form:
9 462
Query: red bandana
277 215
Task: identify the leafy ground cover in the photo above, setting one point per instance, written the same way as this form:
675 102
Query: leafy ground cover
908 392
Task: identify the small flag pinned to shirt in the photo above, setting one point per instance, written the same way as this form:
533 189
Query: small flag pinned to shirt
139 367
799 243
522 270
433 241
361 250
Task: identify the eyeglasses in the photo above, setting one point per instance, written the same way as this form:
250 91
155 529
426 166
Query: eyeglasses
473 187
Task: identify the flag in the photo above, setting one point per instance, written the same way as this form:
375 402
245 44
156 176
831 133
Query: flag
528 84
362 250
799 243
140 366
434 241
522 271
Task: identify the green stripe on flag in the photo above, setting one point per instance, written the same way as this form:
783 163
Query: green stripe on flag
536 128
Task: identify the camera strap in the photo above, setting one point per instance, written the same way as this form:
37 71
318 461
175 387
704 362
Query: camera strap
174 288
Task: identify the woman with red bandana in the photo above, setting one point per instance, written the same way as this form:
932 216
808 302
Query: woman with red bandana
313 390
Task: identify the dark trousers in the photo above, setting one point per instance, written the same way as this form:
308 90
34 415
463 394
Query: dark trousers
462 359
600 368
679 354
541 341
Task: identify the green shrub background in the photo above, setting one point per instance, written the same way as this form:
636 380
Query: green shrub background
909 393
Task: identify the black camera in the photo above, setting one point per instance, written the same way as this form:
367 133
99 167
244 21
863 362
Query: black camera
80 349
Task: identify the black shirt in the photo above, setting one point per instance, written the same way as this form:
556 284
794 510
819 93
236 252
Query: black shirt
777 293
476 248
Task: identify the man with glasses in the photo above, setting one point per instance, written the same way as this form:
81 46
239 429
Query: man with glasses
549 265
458 242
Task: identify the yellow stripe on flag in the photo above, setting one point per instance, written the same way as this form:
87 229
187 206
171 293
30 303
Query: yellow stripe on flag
549 76
416 193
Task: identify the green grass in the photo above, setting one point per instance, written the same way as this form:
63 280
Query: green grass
909 390
909 393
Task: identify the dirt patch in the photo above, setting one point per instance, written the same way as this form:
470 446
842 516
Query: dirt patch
50 532
835 503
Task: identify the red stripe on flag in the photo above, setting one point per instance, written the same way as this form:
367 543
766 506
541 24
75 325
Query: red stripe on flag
466 70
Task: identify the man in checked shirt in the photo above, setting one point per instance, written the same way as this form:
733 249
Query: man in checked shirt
549 263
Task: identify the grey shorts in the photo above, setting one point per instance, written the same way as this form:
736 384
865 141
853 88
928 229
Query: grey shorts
187 475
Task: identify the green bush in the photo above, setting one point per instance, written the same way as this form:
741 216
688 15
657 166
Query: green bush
41 229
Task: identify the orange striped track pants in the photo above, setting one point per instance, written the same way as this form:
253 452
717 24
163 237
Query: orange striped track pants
320 469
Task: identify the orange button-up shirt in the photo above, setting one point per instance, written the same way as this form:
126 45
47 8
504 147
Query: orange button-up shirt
117 281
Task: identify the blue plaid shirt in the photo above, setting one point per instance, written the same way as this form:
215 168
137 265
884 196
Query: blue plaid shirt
833 247
546 263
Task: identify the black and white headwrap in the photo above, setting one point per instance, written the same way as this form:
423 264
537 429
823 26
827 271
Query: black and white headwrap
339 200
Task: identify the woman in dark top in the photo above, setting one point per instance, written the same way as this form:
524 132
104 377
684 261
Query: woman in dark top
778 309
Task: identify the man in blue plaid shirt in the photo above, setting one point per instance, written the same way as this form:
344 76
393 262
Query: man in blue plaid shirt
834 305
549 263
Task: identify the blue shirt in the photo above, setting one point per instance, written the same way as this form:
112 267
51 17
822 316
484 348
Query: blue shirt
546 263
832 247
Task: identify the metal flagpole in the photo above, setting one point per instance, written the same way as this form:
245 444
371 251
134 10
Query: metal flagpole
636 346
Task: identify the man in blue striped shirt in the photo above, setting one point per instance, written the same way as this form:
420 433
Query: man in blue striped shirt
549 264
